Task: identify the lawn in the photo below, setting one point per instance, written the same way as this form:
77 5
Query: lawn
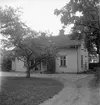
24 91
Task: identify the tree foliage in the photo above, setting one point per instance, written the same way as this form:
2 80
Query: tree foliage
27 45
85 15
6 59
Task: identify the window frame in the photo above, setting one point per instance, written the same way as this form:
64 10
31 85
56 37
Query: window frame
63 61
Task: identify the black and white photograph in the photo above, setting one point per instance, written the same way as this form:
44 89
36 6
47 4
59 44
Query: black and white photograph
49 52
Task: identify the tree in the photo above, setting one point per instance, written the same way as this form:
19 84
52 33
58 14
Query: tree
27 46
18 36
85 15
50 50
5 60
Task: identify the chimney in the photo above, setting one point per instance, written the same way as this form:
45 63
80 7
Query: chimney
61 32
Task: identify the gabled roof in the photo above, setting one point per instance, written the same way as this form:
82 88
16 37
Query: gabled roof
62 41
65 41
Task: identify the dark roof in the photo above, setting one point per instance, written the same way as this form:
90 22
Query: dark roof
64 41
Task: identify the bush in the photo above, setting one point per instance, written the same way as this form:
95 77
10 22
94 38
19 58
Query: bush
51 65
93 65
6 64
97 74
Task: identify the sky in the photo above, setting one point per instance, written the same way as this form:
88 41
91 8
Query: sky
39 14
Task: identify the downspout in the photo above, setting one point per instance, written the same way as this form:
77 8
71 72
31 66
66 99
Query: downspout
40 66
15 64
77 62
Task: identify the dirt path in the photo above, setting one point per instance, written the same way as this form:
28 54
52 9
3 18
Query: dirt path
87 93
79 90
76 92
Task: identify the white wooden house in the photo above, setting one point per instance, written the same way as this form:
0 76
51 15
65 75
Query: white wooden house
72 56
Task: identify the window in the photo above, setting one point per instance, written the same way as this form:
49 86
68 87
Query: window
85 58
82 46
81 61
85 65
63 61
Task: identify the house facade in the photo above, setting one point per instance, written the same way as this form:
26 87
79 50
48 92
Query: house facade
71 58
18 65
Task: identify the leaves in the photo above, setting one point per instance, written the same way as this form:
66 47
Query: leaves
88 23
8 14
28 45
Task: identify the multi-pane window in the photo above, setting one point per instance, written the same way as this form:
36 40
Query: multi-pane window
63 61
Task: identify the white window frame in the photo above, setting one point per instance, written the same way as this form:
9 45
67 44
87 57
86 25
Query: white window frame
63 61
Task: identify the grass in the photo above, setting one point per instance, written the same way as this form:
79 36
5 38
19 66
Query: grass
24 91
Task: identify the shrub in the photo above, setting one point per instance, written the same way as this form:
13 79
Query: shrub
51 65
93 65
97 74
6 64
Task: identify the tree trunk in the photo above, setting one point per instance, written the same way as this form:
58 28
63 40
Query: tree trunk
98 52
28 72
99 60
28 69
98 47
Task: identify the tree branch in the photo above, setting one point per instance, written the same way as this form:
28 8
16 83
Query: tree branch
88 26
20 59
22 49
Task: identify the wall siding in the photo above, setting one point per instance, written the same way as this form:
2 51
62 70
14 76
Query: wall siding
83 52
13 65
20 66
71 61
